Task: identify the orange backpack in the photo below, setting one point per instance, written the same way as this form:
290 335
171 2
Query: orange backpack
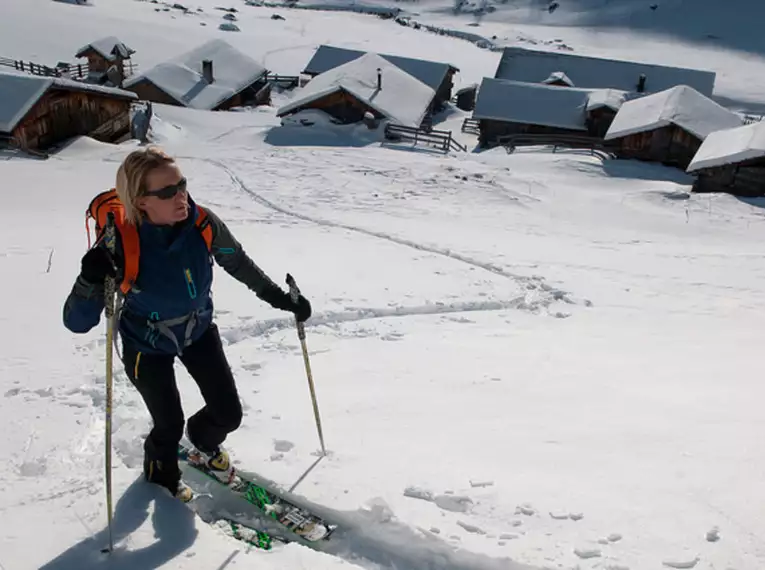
108 201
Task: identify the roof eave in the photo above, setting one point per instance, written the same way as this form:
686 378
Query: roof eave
20 119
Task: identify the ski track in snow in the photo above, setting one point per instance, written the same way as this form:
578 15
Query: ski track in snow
529 282
265 327
370 537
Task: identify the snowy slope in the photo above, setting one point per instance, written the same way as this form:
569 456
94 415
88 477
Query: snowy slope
533 358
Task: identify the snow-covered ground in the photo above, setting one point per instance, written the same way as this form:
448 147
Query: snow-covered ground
536 358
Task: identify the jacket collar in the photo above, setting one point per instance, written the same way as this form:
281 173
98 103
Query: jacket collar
168 236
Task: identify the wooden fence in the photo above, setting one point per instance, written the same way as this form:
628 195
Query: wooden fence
286 81
440 139
596 146
67 70
472 126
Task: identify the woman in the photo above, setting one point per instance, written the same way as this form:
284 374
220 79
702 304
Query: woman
167 310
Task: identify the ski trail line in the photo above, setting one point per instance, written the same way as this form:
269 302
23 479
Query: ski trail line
531 283
264 327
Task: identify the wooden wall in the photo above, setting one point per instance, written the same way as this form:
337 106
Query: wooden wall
669 145
491 129
98 63
60 115
745 179
342 106
444 92
147 91
599 121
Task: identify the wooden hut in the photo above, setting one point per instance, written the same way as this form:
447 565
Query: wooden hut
213 76
38 112
465 97
668 127
368 84
586 72
105 54
506 108
438 76
732 161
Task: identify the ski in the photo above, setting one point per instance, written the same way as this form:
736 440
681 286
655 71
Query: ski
294 518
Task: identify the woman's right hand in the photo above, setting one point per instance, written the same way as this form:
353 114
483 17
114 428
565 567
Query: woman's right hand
97 265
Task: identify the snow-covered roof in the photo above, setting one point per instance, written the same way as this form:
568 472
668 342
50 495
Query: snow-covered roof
534 66
538 104
181 78
20 91
682 106
109 47
611 98
730 146
403 99
431 73
559 77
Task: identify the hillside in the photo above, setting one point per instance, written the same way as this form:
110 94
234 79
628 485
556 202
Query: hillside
529 360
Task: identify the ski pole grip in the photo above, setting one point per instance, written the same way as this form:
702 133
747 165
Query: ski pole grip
294 291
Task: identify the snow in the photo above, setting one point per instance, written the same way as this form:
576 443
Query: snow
182 78
431 73
559 76
730 146
402 98
531 103
534 66
584 334
610 98
682 106
20 91
109 47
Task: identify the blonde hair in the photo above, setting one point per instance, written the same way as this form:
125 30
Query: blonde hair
131 178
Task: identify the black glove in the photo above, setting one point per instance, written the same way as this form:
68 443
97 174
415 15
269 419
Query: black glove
301 309
278 299
97 264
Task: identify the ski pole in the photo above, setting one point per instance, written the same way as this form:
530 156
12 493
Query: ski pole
109 293
295 293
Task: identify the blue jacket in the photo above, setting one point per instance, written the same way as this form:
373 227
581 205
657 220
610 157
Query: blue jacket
173 290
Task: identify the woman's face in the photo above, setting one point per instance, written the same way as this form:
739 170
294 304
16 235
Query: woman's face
166 201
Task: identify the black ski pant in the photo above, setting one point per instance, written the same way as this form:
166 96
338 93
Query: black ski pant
154 377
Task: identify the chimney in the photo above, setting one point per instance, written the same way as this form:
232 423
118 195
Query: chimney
379 78
207 70
641 83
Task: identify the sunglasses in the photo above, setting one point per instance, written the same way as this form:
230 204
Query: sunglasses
168 192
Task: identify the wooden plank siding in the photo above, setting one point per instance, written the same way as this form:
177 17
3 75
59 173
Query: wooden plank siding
444 91
60 115
491 130
668 145
147 91
341 105
746 179
596 123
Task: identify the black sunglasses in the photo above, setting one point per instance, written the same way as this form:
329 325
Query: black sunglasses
168 191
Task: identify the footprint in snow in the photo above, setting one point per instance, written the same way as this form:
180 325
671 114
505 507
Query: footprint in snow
418 493
587 552
525 509
454 503
681 563
471 528
283 445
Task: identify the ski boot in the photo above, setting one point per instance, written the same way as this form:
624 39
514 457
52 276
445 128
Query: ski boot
217 462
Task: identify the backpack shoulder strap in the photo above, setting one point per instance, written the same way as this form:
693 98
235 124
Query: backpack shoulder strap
100 206
205 228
